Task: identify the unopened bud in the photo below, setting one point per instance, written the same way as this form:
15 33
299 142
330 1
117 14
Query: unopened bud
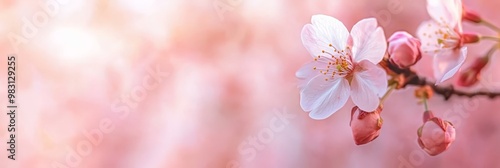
435 136
472 74
403 49
471 16
470 38
365 125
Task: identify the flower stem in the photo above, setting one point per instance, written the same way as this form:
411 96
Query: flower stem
490 25
391 88
491 51
425 104
497 39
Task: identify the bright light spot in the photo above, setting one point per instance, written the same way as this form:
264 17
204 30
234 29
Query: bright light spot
143 7
81 10
73 45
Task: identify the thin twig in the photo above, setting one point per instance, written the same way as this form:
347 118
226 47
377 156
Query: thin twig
414 80
493 38
490 25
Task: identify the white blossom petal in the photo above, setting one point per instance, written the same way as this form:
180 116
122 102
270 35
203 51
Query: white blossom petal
324 98
312 42
369 41
445 11
323 31
331 30
368 85
436 38
426 34
447 63
307 72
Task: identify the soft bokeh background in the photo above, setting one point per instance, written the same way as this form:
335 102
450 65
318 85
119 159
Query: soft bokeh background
228 78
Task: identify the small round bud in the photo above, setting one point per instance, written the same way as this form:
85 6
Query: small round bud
470 38
365 125
435 136
471 16
471 75
404 49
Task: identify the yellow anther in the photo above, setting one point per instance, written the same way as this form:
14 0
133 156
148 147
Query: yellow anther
440 41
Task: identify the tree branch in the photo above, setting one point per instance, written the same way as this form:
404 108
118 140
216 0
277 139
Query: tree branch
411 78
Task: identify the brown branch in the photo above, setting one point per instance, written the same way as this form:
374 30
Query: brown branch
411 78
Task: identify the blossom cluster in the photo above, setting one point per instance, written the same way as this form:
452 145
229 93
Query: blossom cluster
365 66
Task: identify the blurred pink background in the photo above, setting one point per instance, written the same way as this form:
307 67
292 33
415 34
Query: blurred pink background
220 88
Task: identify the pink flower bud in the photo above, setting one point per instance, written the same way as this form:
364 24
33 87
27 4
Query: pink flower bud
435 135
365 125
404 49
427 116
470 38
471 75
471 16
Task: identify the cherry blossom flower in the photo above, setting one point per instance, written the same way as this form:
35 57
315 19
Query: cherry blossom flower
443 37
344 66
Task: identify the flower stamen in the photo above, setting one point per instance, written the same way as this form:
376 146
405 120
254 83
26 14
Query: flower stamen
339 63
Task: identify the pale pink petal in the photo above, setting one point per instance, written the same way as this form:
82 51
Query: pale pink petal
368 85
426 34
447 63
334 95
459 27
450 134
323 31
315 92
433 135
369 41
311 42
330 30
307 72
314 43
445 11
